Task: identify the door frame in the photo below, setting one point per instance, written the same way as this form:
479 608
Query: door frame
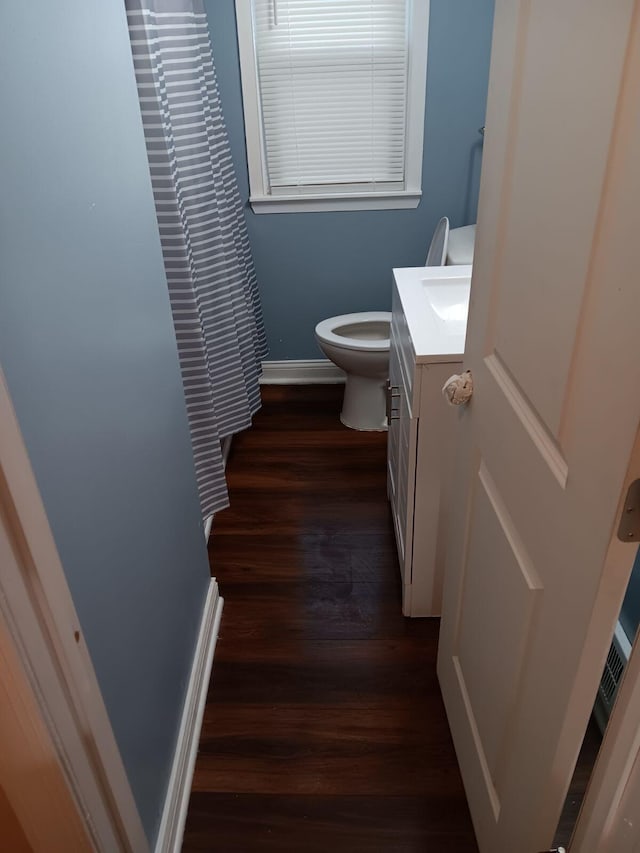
614 788
37 607
40 811
607 822
613 791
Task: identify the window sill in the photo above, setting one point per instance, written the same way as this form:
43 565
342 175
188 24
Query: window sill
318 203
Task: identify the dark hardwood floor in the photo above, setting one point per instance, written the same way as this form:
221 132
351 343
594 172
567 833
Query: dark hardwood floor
324 728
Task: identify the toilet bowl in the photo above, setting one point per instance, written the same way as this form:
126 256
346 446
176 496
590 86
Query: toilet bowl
359 345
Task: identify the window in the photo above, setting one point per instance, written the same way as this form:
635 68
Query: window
334 94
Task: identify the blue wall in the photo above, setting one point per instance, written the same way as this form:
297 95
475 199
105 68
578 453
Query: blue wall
88 349
630 613
313 265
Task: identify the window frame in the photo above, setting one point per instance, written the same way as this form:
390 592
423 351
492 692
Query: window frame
306 199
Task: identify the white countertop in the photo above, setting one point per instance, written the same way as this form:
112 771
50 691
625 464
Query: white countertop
435 301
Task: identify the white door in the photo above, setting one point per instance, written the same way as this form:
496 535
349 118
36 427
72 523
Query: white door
547 446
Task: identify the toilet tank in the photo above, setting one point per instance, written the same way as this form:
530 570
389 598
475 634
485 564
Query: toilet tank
460 246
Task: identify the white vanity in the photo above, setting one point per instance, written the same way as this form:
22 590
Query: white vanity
428 327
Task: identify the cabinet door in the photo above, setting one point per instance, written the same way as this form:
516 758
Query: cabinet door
401 456
407 440
393 436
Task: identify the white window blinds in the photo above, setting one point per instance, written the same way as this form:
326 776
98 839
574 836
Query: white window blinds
332 80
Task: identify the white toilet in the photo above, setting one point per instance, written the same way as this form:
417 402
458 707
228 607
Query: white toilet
359 343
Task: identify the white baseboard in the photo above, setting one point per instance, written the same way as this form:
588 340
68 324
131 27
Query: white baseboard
315 371
176 802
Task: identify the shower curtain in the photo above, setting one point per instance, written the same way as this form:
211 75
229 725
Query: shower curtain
207 257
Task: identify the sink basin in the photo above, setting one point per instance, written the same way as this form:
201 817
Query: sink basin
449 303
435 302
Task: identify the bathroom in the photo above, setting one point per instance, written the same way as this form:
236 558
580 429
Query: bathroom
312 733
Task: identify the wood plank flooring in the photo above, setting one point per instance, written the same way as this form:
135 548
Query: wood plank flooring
324 728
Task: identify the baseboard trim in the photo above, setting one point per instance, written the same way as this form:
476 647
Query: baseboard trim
176 803
316 371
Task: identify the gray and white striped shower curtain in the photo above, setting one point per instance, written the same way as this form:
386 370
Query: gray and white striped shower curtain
207 257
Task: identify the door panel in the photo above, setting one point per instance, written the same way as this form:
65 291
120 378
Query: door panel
498 562
562 111
534 579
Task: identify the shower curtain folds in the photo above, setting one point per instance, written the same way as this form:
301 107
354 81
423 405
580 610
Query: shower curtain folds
207 257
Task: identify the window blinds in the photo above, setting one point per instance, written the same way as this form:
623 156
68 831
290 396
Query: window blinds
332 76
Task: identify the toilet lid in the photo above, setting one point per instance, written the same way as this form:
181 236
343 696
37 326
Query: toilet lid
326 331
461 242
437 253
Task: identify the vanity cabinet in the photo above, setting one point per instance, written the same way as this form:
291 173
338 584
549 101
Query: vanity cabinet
420 439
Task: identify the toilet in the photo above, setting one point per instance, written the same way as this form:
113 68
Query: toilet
359 343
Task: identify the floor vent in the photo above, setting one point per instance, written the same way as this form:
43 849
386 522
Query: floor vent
612 675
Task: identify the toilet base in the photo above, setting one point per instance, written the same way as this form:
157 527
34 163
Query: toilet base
364 406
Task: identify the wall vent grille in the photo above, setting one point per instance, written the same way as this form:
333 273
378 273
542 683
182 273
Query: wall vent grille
612 676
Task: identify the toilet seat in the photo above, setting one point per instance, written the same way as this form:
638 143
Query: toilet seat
325 330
